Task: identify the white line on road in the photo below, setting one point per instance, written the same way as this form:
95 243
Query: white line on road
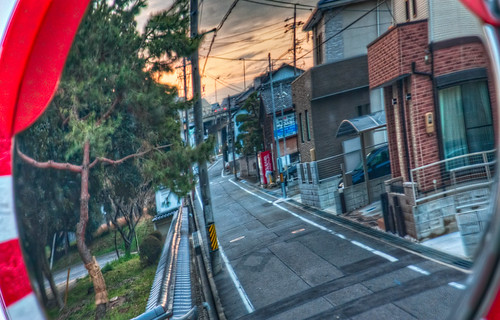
243 295
359 244
237 239
419 270
275 203
378 253
250 192
457 285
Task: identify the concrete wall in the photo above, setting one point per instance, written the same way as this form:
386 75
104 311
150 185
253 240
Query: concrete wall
356 197
468 212
473 214
321 195
251 169
446 13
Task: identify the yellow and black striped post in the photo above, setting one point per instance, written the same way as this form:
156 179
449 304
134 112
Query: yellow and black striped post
212 235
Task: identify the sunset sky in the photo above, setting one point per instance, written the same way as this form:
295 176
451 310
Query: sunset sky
251 32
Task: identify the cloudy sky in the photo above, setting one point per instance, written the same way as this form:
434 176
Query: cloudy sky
251 31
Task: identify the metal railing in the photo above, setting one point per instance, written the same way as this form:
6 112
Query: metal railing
329 168
453 175
172 278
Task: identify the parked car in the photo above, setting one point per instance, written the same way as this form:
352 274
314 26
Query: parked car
378 164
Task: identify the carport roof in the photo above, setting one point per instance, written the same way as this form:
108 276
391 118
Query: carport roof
362 124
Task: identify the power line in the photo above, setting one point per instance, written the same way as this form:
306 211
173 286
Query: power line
251 30
217 29
249 39
275 5
229 85
291 3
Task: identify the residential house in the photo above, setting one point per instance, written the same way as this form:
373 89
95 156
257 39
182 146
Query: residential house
278 116
439 95
336 89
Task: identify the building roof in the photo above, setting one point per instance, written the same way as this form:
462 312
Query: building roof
164 215
322 6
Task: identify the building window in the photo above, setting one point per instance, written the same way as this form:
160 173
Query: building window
414 8
407 10
301 128
308 129
466 122
319 48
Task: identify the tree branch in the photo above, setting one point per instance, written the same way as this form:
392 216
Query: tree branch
130 156
106 115
49 164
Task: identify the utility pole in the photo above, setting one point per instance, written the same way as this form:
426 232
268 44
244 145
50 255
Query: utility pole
232 135
278 161
186 113
202 165
244 75
283 128
295 39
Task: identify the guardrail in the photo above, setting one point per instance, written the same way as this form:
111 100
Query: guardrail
170 296
453 175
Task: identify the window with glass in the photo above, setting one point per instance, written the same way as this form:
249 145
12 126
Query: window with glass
466 121
308 130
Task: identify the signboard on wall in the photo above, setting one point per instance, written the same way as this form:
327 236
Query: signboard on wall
286 124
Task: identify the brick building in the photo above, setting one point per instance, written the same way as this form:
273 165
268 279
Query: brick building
438 99
335 89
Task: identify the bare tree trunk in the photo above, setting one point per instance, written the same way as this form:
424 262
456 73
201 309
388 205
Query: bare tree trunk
116 247
41 285
101 295
48 274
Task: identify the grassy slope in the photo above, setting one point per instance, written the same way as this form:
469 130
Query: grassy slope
126 279
105 243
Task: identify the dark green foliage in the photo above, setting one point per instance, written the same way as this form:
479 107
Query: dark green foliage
150 250
157 234
109 97
250 139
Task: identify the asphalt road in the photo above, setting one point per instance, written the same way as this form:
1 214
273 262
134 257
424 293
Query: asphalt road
284 262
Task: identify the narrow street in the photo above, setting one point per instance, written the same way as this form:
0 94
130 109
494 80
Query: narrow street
288 263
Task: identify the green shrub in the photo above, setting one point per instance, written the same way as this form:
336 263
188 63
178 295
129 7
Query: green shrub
157 234
150 250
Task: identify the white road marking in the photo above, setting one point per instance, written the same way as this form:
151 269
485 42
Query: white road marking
243 295
237 239
275 203
457 285
377 252
359 244
468 271
250 192
419 270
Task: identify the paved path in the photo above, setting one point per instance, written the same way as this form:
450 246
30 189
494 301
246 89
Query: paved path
78 270
285 262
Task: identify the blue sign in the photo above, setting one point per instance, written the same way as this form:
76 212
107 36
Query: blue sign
287 124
